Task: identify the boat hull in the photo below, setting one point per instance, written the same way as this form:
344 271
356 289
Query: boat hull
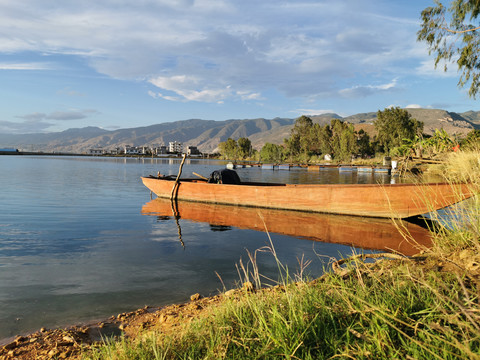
373 200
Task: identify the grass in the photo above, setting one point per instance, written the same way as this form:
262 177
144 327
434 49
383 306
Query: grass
424 307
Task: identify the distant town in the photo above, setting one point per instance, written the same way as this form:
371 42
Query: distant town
174 147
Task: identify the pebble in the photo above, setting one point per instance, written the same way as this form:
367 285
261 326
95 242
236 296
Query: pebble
230 293
68 339
195 297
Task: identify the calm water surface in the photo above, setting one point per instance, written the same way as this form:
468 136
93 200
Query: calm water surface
74 246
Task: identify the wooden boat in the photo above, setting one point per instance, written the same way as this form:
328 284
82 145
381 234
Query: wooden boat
374 200
366 233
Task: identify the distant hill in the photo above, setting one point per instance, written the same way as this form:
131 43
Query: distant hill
207 134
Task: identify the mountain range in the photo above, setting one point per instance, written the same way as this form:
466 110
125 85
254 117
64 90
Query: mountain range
207 134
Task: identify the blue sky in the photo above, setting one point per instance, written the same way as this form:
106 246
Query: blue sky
121 64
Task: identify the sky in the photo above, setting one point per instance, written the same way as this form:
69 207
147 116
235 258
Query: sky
122 63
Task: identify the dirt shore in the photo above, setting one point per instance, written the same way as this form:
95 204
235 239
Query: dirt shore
68 343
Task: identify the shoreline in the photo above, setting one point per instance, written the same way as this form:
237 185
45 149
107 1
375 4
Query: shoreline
68 341
72 342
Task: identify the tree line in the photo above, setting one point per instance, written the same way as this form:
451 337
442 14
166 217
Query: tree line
397 134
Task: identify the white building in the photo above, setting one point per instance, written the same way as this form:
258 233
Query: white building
175 147
131 150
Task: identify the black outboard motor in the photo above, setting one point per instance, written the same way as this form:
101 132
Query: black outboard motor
224 176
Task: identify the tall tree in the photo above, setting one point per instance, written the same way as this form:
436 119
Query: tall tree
244 147
271 152
395 124
229 149
303 131
344 140
321 136
292 147
363 142
452 34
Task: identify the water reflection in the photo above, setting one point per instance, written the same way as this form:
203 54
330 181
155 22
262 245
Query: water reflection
366 233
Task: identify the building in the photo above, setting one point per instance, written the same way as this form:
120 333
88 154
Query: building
192 150
175 147
161 150
96 151
131 150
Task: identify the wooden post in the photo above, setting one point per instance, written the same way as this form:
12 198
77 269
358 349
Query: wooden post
173 194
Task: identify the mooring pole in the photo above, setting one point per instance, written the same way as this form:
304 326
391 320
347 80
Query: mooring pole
174 195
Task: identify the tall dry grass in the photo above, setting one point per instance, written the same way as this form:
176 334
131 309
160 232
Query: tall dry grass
459 226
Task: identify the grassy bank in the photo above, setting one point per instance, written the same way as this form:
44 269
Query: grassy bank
423 307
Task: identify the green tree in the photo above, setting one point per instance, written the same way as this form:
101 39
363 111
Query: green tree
302 131
244 147
271 152
320 141
292 147
395 124
439 142
363 142
472 141
344 140
452 35
229 149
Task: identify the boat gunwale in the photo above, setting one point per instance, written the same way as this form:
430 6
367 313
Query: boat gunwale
248 183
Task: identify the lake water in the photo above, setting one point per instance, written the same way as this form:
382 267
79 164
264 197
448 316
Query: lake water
75 246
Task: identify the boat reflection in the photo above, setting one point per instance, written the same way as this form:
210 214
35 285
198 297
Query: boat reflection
368 233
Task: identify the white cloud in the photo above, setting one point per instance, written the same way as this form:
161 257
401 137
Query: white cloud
161 96
29 126
60 115
24 66
311 112
214 50
413 106
246 95
189 88
70 92
153 94
34 116
427 68
366 90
